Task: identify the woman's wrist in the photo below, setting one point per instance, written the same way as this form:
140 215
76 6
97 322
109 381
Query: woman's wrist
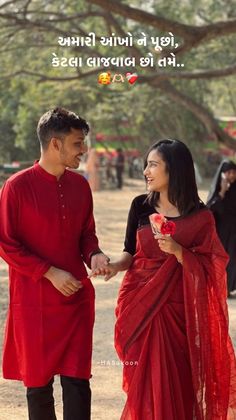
120 265
179 255
116 265
124 263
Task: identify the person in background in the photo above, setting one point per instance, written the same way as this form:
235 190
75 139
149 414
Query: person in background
171 331
222 202
120 166
92 170
110 176
47 233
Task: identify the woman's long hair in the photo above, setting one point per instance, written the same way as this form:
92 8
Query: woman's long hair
225 165
182 189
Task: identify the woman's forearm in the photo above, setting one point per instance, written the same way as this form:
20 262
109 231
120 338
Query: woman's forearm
124 262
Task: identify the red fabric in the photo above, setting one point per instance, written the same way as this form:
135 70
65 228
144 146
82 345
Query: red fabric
172 328
47 222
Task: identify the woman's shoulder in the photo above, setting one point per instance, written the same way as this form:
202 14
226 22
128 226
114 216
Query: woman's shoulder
141 203
140 199
202 216
140 206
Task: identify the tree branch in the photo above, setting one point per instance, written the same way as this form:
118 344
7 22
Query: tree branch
204 74
110 18
7 4
199 111
42 77
192 35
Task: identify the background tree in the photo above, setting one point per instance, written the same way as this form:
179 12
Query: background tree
164 102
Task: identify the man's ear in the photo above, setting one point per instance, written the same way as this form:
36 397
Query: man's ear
55 143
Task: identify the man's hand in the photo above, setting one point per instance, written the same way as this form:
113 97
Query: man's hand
98 261
63 281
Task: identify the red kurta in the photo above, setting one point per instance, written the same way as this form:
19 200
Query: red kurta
44 222
172 328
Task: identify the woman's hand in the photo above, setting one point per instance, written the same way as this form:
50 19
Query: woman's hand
108 271
168 245
224 186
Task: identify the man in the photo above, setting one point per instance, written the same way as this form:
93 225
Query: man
120 164
47 232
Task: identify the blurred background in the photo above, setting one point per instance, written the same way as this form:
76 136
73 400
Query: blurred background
195 103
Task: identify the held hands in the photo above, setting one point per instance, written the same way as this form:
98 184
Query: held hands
99 260
168 245
108 271
63 281
111 269
100 267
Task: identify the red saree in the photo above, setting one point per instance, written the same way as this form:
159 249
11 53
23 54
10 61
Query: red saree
172 328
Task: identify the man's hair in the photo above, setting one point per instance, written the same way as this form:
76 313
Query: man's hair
58 122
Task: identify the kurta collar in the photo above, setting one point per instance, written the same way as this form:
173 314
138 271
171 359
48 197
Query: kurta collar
47 175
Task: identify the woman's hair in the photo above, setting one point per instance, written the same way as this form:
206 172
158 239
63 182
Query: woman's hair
226 165
182 189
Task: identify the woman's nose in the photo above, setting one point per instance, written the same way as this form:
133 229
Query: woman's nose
145 171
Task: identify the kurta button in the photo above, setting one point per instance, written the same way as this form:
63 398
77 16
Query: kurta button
59 185
63 217
63 205
62 195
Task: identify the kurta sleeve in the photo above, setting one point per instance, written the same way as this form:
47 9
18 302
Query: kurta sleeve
131 230
88 240
12 250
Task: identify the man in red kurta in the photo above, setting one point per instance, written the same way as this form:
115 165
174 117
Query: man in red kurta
47 233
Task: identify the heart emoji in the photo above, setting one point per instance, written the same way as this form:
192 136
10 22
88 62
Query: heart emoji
131 77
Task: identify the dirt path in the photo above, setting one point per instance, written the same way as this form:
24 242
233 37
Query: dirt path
111 209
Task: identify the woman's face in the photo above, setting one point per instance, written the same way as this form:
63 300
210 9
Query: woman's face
230 176
155 173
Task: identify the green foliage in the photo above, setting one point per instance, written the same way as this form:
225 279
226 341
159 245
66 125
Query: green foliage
141 111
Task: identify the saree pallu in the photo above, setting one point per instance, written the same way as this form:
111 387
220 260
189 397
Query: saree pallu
172 328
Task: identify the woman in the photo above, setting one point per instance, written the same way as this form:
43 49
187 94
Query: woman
172 327
222 202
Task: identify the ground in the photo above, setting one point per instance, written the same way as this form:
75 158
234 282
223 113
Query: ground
111 208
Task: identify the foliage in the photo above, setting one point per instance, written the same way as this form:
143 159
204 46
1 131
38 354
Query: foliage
146 111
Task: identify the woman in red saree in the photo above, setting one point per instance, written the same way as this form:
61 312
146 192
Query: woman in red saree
172 323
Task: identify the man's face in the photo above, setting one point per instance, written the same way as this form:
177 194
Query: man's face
72 148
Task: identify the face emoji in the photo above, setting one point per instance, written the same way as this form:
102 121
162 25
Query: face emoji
104 78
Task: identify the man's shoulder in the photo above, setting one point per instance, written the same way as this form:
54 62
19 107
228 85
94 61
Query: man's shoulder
77 178
19 177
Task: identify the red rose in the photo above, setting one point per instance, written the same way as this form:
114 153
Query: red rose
158 218
168 228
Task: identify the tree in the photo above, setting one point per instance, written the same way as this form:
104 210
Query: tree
37 25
